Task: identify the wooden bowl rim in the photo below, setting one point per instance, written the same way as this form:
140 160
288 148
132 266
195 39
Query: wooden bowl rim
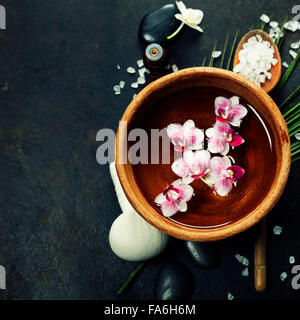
141 205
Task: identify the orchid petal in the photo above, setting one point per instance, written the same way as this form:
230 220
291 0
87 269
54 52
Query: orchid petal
211 178
187 180
182 207
180 167
223 187
220 104
189 124
185 192
194 138
234 100
226 149
175 131
237 140
195 27
219 164
169 208
216 145
195 15
160 199
181 6
210 132
238 172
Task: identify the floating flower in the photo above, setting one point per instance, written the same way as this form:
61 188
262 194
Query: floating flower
185 136
174 198
192 165
230 110
189 17
221 137
223 175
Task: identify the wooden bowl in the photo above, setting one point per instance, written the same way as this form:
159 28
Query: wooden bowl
265 155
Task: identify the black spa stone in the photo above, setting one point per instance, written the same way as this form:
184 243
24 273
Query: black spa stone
174 282
158 24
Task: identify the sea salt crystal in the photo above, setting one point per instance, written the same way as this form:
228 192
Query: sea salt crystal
293 53
230 296
273 24
297 136
295 45
292 25
174 67
130 70
264 18
239 257
140 63
134 85
118 67
277 230
245 272
292 259
285 64
142 71
141 80
116 87
245 261
216 54
122 84
134 96
283 276
256 59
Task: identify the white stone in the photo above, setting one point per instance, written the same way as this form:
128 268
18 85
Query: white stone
131 237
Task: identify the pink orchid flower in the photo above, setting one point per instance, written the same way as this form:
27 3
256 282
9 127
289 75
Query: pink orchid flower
174 198
185 136
223 175
221 137
192 165
230 110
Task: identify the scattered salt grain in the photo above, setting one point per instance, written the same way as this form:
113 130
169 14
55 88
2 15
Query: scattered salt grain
277 230
140 63
134 96
130 70
256 59
118 67
292 25
293 53
230 296
297 135
134 85
245 261
141 80
285 64
273 24
216 54
239 257
292 259
283 276
116 87
142 71
174 67
122 84
295 45
264 18
245 272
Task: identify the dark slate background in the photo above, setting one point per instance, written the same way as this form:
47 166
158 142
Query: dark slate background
57 69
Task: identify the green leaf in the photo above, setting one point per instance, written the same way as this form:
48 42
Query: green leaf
232 48
290 98
133 274
224 50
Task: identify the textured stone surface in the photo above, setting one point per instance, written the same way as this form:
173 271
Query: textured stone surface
57 204
174 282
158 24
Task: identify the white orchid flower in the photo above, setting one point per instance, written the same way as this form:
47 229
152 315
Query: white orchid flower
189 17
